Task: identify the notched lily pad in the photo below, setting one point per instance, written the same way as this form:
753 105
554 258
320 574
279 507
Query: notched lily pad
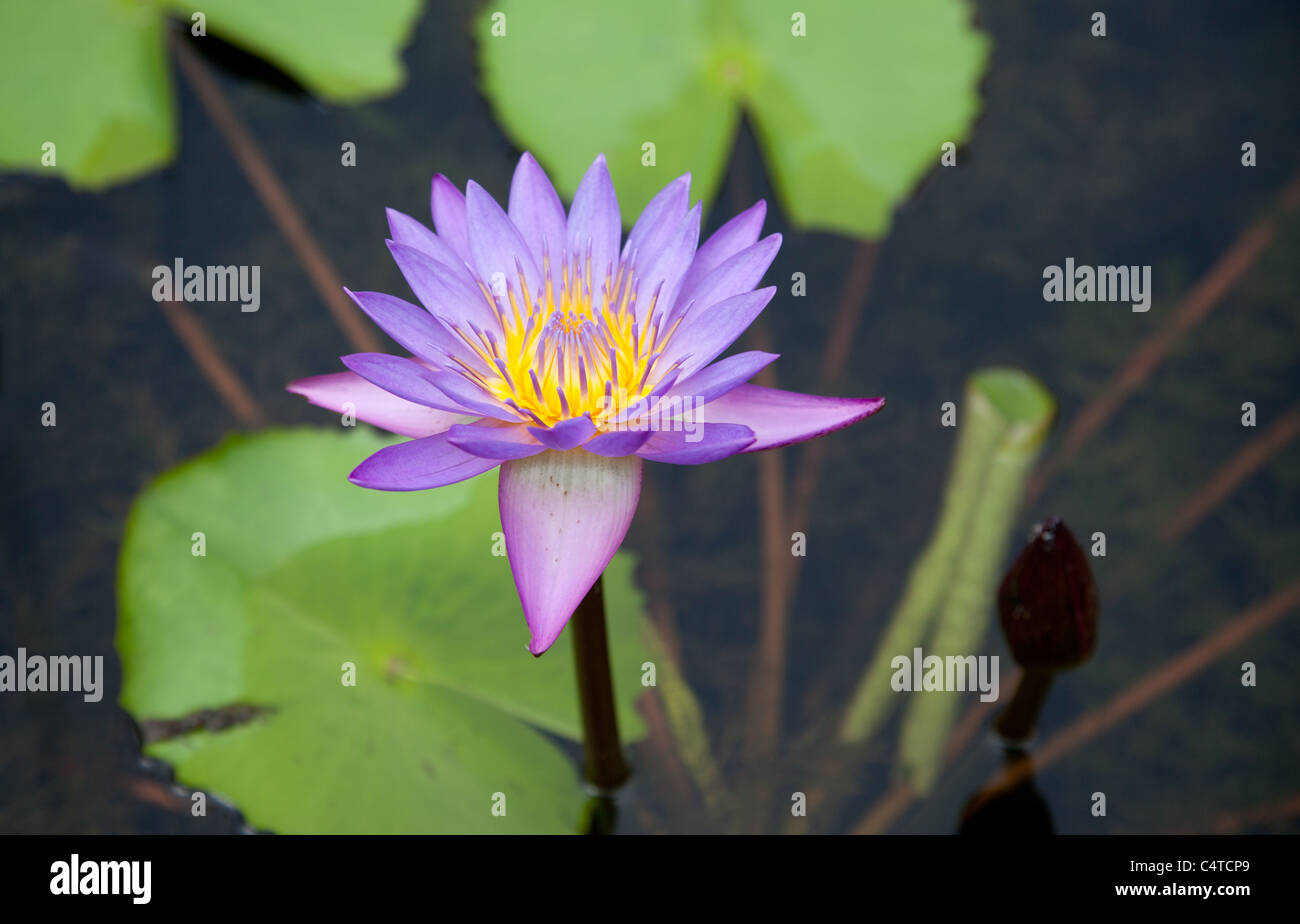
93 79
374 640
851 101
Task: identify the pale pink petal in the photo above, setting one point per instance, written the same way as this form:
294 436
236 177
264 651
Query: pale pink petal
564 515
347 392
779 418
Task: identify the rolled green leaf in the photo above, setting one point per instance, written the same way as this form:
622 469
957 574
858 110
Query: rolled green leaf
1006 414
927 583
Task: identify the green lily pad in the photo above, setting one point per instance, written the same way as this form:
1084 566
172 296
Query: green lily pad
93 80
850 114
341 50
304 572
93 83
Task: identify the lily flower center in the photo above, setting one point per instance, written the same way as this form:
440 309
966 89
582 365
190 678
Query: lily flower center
584 348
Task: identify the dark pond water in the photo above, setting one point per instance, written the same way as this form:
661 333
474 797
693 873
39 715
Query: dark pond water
1123 150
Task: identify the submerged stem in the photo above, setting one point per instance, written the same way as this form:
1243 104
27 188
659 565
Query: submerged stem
605 767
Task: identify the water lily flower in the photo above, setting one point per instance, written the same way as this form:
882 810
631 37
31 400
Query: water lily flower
547 349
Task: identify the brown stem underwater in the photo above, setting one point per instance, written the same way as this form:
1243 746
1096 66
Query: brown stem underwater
606 768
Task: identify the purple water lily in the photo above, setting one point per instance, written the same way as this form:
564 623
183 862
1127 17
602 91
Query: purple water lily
551 352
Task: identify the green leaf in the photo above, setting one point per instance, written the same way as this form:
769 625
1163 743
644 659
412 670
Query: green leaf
303 572
631 73
341 50
94 81
849 115
949 596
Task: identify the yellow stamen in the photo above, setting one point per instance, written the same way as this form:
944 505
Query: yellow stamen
575 352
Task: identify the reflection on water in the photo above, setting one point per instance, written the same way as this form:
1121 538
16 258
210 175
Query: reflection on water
1014 810
1115 151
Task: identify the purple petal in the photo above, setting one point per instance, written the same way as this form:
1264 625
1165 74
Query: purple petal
406 230
666 272
729 240
537 212
702 442
469 395
779 418
616 442
403 377
564 515
449 293
655 226
418 464
373 405
492 441
722 376
710 332
447 204
565 435
594 221
495 243
737 274
411 326
686 400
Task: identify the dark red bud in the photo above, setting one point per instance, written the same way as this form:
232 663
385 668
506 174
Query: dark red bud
1048 601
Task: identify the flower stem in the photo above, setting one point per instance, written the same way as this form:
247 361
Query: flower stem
1017 722
605 767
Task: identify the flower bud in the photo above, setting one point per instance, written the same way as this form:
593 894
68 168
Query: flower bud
1048 601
